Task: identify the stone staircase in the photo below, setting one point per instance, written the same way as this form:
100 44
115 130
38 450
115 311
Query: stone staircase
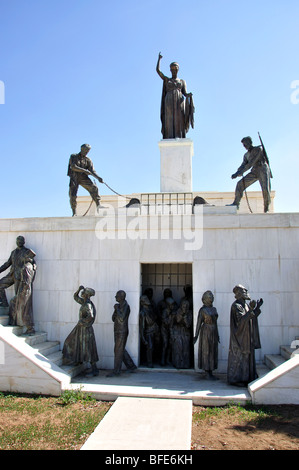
281 384
274 360
39 342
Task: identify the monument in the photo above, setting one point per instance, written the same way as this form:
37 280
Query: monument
146 251
177 115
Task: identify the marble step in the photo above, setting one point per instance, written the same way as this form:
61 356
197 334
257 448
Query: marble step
71 370
274 360
49 349
286 352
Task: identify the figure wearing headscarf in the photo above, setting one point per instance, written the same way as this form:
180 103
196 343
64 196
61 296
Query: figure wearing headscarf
207 331
80 345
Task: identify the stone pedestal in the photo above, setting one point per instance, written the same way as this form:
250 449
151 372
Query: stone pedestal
176 165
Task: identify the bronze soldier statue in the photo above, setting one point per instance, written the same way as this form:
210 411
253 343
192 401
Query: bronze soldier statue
80 166
256 160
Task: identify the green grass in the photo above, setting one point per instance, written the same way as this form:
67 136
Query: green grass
240 412
48 423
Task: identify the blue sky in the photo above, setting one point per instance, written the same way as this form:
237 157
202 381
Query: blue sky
79 71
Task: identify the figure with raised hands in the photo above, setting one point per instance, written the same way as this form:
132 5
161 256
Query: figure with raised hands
244 338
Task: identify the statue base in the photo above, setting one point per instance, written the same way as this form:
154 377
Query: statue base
176 165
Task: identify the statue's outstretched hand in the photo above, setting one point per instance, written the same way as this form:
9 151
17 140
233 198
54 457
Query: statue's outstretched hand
260 303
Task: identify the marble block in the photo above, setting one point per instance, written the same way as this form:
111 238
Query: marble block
176 165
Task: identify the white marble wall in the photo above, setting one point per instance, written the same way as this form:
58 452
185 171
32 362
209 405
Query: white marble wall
259 251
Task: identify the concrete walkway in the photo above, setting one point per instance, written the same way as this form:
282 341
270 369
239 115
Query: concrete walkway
153 408
144 424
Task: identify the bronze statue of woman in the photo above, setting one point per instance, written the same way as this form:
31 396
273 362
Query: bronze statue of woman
80 345
177 108
207 331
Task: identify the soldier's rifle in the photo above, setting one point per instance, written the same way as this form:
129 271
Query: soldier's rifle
265 154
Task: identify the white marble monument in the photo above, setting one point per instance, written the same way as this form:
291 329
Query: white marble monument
176 165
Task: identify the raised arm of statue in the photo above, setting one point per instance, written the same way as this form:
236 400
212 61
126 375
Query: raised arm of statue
77 298
158 67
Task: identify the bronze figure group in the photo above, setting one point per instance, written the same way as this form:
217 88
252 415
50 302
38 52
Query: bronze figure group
166 329
177 115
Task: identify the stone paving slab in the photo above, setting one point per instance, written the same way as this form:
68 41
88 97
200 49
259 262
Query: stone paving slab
144 424
184 385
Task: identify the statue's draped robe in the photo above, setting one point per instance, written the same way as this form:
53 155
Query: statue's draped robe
207 330
20 307
80 345
244 339
176 111
180 339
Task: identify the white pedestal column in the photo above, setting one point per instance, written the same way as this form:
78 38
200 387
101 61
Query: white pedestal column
176 165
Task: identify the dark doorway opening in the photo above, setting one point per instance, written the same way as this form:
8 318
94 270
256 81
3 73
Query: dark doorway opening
166 322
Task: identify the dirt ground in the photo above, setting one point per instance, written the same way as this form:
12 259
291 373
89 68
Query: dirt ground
276 428
46 424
